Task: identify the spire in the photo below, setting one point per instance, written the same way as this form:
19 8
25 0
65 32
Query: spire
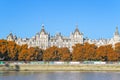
42 26
43 30
11 35
77 30
116 32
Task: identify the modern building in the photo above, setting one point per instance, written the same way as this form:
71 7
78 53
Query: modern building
43 40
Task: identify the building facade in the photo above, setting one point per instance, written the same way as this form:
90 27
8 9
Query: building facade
43 39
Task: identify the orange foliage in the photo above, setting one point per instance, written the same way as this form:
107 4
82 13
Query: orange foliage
89 51
51 54
11 51
103 51
23 55
64 54
78 52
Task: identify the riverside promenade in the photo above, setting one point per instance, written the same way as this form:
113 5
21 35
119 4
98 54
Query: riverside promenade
59 67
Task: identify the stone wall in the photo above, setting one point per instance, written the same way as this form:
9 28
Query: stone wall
81 67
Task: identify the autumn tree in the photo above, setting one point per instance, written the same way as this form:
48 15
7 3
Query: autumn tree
30 54
117 50
39 53
23 54
78 52
103 51
3 50
51 54
89 51
113 56
13 50
64 54
34 54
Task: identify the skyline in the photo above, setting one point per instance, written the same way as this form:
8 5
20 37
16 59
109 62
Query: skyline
95 19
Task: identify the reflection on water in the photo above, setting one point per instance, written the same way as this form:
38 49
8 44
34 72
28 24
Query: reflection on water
60 75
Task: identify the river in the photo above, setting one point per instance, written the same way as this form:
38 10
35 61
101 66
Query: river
60 75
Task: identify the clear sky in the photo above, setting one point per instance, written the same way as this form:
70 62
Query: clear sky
95 18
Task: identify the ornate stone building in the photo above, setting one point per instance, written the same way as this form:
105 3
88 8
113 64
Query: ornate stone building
43 40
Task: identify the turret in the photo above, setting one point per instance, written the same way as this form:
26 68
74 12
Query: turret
77 36
42 38
10 37
116 32
43 30
116 35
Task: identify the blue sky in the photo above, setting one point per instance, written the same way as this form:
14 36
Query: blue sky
95 18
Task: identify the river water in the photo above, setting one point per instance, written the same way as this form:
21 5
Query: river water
60 75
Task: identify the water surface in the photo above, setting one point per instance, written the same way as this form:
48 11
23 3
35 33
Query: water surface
60 75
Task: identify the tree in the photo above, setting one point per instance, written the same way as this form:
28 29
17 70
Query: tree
113 56
89 51
51 54
13 50
23 54
78 52
3 50
117 48
64 54
34 54
103 51
39 54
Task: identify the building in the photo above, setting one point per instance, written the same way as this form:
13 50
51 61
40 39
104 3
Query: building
43 40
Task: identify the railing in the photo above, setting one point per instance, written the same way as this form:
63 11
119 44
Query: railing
56 62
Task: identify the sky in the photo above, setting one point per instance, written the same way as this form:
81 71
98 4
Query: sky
95 18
